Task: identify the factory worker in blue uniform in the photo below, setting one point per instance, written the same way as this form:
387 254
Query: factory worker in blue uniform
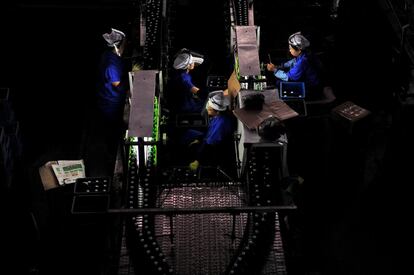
186 95
303 67
113 87
220 130
112 82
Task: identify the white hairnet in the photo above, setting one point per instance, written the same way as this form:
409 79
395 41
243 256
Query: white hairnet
218 101
114 38
183 60
299 41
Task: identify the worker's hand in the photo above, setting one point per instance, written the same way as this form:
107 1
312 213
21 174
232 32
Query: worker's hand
194 142
271 67
194 165
136 67
195 90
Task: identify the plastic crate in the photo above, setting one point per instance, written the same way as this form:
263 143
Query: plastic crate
90 204
92 185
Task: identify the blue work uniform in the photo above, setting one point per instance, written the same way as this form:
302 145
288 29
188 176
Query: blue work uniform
301 69
219 132
111 99
219 129
187 102
214 149
108 124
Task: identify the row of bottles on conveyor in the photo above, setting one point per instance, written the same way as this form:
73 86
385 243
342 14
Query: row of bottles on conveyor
259 237
140 194
134 192
153 11
263 178
241 9
139 185
151 258
255 245
256 83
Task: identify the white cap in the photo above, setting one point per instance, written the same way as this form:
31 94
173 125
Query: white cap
218 101
183 60
114 38
299 41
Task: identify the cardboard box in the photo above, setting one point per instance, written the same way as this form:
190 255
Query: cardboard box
62 171
47 176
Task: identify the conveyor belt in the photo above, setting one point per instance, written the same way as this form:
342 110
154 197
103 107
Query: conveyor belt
200 244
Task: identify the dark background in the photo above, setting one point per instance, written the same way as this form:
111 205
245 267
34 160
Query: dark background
48 58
